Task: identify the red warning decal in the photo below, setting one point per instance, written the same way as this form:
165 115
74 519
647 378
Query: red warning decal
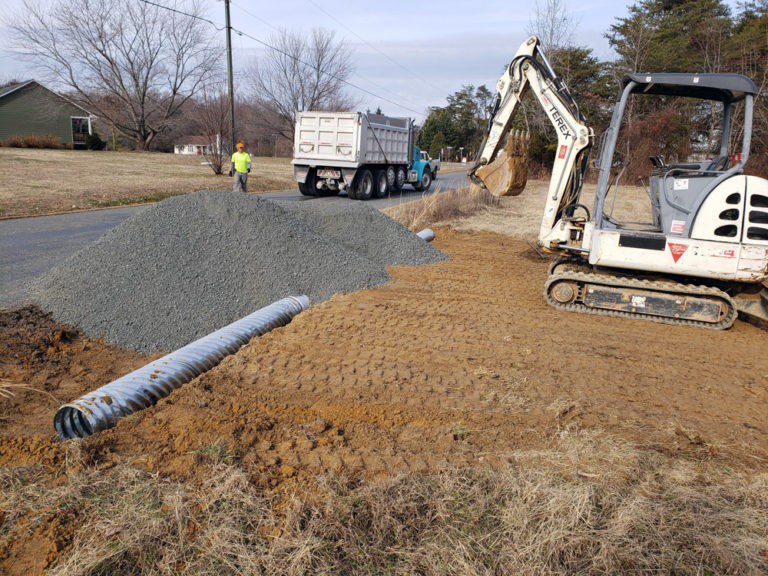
563 150
677 250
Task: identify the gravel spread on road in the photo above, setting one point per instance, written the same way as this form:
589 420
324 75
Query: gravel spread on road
367 231
194 263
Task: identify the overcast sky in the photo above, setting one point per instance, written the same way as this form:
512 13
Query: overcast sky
415 52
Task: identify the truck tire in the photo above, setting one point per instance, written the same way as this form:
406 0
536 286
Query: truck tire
400 178
391 177
309 186
381 184
426 181
364 186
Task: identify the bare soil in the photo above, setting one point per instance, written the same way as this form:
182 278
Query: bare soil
456 364
36 182
44 364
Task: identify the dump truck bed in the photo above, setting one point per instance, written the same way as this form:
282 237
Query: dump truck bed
350 139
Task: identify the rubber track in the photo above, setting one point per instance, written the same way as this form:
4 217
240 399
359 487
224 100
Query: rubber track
653 285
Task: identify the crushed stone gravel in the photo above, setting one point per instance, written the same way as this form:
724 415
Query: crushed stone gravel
194 263
367 231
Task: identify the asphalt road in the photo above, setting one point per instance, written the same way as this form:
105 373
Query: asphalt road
29 247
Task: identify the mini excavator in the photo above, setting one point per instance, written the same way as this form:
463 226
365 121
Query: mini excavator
702 258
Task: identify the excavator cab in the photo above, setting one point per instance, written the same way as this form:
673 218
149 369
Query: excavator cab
678 191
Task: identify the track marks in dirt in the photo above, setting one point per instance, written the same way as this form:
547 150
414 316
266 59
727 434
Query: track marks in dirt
454 364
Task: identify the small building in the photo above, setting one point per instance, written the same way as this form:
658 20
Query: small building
195 145
30 109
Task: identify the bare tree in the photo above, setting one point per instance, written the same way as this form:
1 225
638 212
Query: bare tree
133 64
553 23
304 73
212 112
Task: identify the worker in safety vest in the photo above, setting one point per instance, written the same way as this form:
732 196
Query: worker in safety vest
240 167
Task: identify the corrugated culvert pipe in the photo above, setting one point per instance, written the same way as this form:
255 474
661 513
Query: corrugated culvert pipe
142 388
427 234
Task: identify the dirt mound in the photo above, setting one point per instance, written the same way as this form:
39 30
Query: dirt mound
44 364
192 264
367 231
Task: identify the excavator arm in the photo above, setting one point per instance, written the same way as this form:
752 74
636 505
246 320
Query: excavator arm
500 166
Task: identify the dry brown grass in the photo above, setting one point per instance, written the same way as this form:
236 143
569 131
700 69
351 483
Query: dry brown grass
9 389
520 216
34 182
437 207
589 505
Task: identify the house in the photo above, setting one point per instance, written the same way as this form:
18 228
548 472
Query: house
30 109
196 145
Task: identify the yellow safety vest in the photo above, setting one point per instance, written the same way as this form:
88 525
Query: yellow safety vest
241 161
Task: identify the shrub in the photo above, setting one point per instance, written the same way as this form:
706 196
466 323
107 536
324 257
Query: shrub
94 142
35 141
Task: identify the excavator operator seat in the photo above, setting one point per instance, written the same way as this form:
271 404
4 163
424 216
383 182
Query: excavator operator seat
678 192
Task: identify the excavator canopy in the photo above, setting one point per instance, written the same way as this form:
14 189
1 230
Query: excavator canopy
721 87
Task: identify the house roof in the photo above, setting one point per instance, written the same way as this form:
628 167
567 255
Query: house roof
194 140
13 87
8 90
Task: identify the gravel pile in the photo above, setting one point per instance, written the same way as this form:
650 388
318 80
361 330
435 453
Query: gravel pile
194 263
367 231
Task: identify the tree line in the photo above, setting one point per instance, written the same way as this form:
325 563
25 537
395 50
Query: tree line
152 76
699 36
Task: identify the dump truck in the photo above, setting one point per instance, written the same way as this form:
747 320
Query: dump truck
365 155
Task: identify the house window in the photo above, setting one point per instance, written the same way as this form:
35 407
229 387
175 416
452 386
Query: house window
81 127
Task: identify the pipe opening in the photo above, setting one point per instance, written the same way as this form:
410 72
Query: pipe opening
70 423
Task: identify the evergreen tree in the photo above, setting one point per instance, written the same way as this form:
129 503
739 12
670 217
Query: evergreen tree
437 145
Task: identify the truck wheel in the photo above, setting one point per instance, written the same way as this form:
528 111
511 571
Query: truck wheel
400 178
381 182
391 177
309 186
426 180
364 188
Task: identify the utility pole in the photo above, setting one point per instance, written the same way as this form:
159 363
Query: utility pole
230 85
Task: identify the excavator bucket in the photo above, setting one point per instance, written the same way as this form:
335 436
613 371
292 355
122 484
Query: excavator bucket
507 175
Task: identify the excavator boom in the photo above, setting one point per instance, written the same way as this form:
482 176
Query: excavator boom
501 162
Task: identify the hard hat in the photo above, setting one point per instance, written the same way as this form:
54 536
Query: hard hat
240 145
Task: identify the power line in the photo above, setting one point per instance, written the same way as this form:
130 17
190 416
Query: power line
265 22
364 41
195 16
259 18
331 75
284 53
